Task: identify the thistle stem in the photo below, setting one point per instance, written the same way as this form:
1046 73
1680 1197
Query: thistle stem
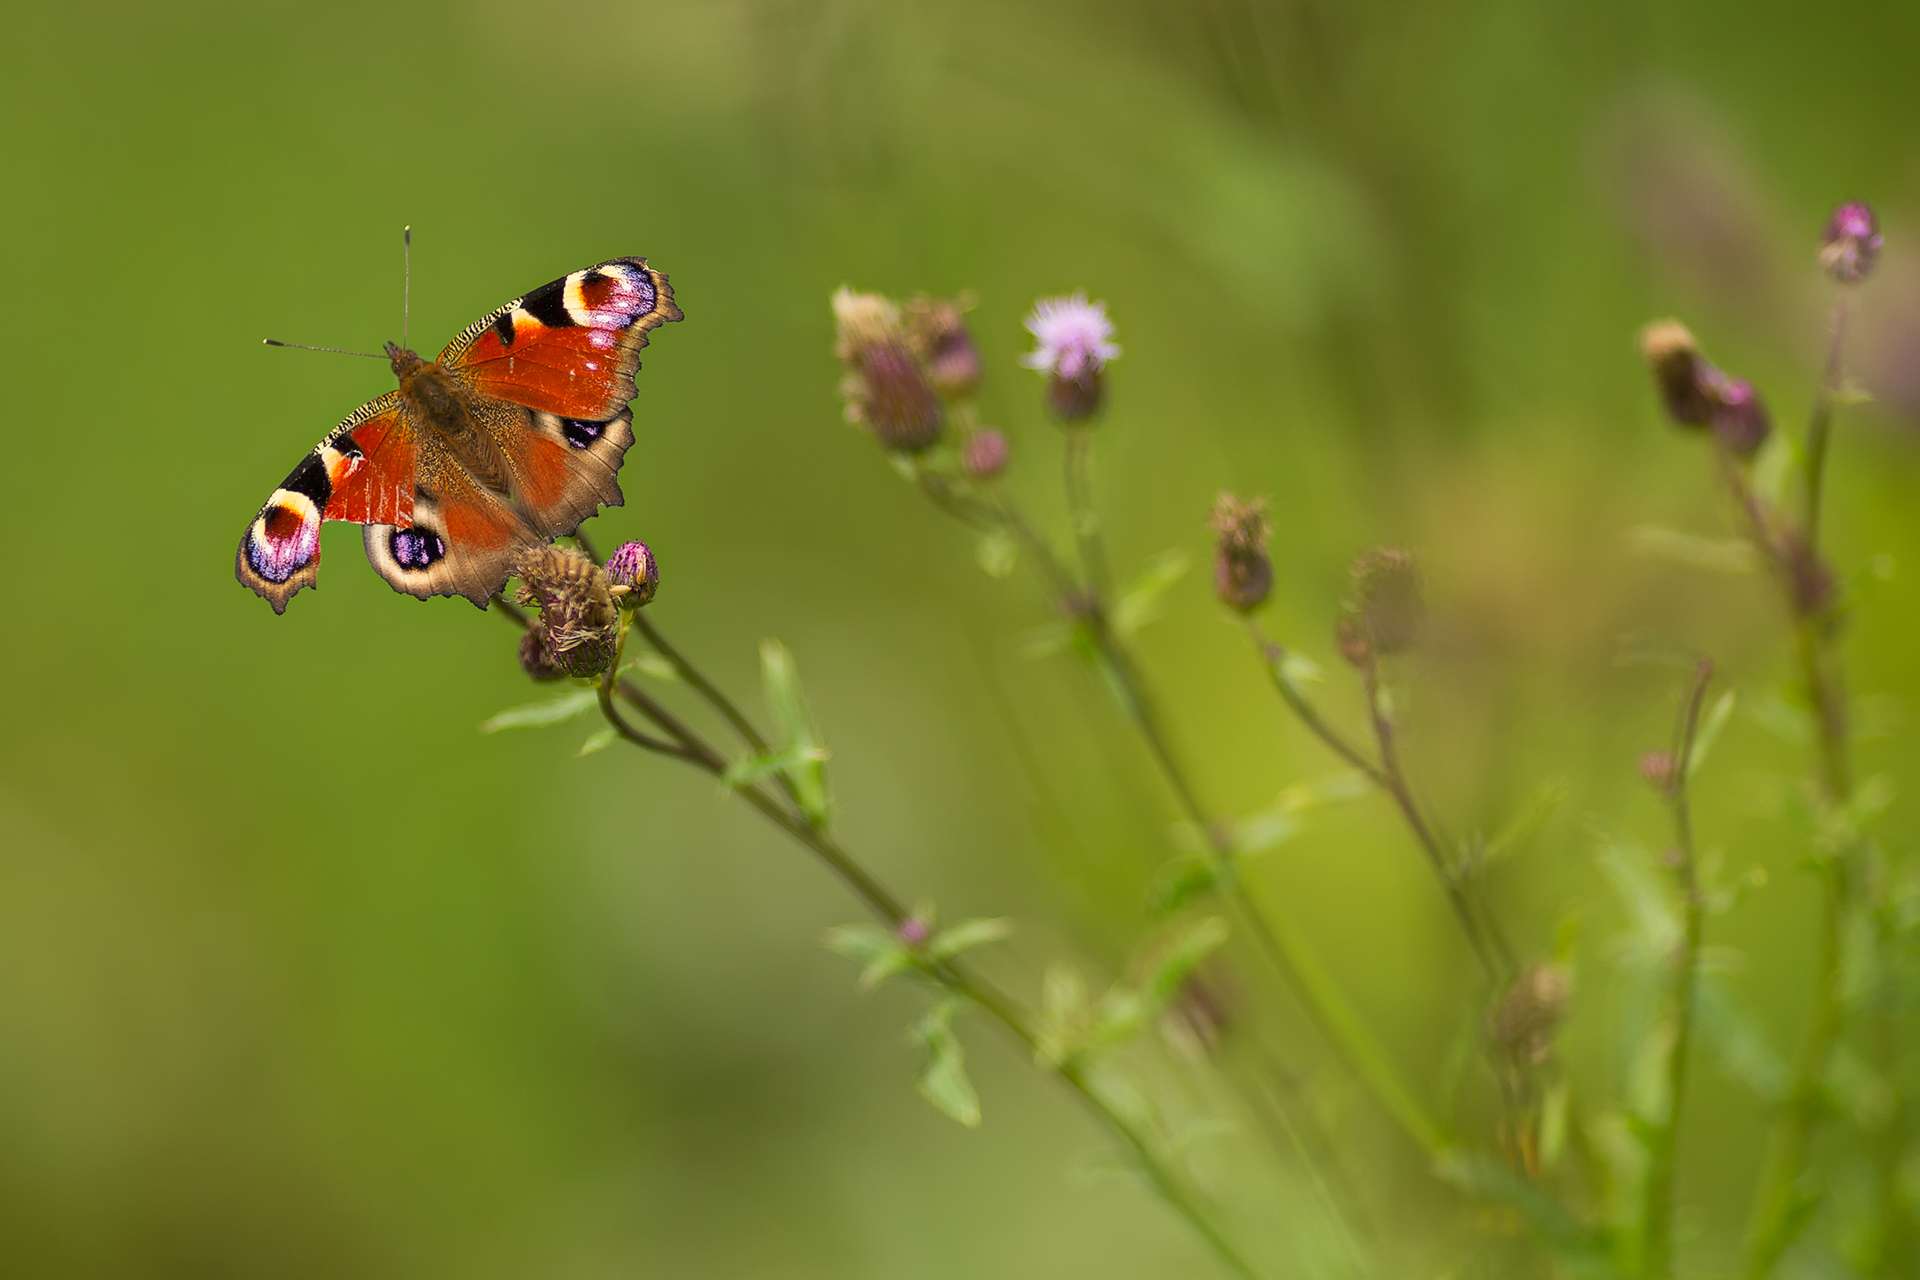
1658 1210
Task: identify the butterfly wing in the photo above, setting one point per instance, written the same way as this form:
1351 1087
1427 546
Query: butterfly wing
552 373
363 470
463 538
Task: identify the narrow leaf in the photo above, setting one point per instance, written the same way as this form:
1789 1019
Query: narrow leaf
782 684
598 741
1721 555
1526 824
944 1081
1298 669
1179 882
752 768
967 934
863 943
1139 604
1174 963
554 711
997 553
650 665
1709 732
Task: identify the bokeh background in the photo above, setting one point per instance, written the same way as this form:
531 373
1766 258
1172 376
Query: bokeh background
300 975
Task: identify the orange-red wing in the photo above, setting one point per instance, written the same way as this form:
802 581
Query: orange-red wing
569 348
561 470
370 461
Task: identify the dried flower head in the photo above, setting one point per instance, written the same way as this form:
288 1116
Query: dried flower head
1850 246
1242 574
633 575
1696 394
536 654
886 387
1387 603
1530 1013
1074 341
938 332
576 609
985 454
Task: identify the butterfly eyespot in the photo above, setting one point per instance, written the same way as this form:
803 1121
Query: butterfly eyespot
416 548
285 537
581 433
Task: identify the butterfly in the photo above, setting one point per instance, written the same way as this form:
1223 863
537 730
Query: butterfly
509 440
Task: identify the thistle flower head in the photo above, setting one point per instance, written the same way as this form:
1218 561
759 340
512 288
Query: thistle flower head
938 333
1850 246
536 654
985 454
1242 573
577 614
1696 394
1074 341
1387 605
886 387
632 566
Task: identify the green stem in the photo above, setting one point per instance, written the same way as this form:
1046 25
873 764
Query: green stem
1819 428
952 974
1658 1208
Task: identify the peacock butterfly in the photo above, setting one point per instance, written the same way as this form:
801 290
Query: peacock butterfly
512 438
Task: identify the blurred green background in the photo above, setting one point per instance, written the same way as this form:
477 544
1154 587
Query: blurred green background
300 975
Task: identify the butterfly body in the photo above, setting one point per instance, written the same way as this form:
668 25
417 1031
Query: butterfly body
511 438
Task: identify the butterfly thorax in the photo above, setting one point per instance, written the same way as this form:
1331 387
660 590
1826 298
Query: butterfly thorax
440 405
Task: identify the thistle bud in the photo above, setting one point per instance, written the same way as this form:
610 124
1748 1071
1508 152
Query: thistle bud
577 614
1350 642
536 655
1530 1013
632 566
940 338
886 388
1387 605
985 454
1074 341
1657 769
1242 574
1698 395
1850 246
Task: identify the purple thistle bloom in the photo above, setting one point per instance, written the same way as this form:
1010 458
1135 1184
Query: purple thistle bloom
1850 247
632 566
985 454
1075 337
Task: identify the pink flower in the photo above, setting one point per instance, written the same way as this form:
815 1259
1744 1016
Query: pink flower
1075 337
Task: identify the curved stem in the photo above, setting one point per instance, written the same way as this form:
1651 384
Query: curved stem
1274 654
1658 1210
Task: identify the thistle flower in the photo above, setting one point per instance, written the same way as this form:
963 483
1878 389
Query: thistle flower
577 613
536 654
1242 574
1387 607
1850 246
1696 394
1075 342
886 388
632 575
985 454
939 336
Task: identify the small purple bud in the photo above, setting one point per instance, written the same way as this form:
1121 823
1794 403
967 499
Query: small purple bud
985 454
632 566
887 388
1850 247
913 932
939 335
1656 769
1740 418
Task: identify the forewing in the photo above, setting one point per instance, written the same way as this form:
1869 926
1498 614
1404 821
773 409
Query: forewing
569 348
363 470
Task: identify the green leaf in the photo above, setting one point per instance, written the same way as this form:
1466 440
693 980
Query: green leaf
997 553
598 741
784 700
1177 960
1179 882
1721 555
877 950
1744 1050
943 1081
553 711
1045 641
1526 824
1063 1016
751 769
1582 1249
1709 732
954 939
1139 604
1297 669
1334 788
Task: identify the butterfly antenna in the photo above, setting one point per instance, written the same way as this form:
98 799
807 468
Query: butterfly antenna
338 351
406 281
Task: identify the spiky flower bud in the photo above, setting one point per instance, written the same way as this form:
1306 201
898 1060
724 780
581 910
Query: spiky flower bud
576 609
985 454
1387 604
1242 574
1850 246
886 387
536 655
939 336
1075 341
1347 638
632 567
1530 1013
1696 394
